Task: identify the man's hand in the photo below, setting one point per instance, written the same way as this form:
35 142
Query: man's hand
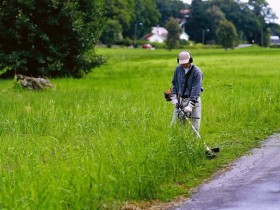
189 108
174 101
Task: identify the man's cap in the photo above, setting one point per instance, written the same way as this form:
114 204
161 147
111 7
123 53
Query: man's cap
184 57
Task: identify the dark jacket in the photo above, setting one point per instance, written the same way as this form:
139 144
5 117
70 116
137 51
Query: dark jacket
194 88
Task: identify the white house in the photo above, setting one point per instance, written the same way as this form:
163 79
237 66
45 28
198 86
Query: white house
184 35
182 22
158 34
155 38
159 30
274 40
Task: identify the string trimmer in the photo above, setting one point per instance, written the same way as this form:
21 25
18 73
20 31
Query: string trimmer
210 153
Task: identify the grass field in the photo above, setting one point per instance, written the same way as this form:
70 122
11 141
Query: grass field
97 142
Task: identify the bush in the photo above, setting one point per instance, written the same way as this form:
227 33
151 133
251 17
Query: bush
49 38
125 42
201 46
274 46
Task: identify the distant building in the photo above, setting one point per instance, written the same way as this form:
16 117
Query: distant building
182 22
159 30
158 34
183 35
155 38
274 40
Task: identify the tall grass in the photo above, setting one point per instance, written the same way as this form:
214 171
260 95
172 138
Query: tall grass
105 139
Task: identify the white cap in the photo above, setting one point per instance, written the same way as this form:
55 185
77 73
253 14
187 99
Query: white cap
184 57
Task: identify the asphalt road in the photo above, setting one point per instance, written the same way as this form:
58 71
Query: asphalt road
251 183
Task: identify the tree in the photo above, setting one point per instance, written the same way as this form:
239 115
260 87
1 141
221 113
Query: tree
227 34
262 15
250 19
131 12
168 9
49 38
145 12
216 16
275 29
173 37
121 11
112 32
198 20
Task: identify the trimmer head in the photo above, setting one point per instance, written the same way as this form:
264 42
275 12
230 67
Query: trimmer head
212 153
216 149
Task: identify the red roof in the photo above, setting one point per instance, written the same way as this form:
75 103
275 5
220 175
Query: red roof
185 11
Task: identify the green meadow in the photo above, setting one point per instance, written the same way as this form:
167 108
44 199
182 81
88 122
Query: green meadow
101 141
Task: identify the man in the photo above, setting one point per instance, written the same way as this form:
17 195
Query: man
186 89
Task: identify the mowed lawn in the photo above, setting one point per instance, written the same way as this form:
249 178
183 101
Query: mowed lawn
97 142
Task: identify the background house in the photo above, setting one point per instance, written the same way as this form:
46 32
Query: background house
158 34
184 36
182 22
155 38
274 40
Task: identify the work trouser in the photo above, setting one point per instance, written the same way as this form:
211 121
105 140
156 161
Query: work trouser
195 114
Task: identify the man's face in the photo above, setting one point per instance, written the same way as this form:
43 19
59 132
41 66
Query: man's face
186 65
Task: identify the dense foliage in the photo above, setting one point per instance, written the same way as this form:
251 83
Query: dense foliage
53 38
252 20
227 34
174 30
49 37
129 13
